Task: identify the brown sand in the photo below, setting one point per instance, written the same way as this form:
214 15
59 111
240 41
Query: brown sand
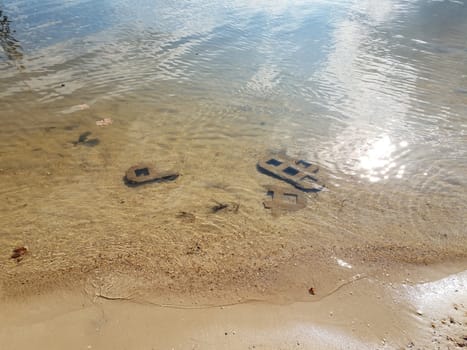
83 226
120 254
366 314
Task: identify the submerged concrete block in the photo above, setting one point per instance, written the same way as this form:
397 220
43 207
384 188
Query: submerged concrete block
144 173
300 173
284 199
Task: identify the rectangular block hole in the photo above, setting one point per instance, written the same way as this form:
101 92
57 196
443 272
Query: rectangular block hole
303 163
290 198
274 162
142 172
291 171
309 179
270 194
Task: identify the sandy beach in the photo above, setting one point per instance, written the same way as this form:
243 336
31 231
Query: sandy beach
370 94
365 314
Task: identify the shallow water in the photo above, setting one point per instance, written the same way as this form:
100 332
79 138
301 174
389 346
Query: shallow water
372 91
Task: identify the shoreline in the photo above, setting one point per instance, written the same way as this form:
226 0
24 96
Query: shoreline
367 314
284 280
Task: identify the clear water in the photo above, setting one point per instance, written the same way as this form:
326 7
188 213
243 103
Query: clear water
375 92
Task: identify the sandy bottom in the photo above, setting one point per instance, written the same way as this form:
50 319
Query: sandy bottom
68 204
377 260
365 314
154 267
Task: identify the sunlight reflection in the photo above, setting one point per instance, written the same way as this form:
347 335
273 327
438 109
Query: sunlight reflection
378 159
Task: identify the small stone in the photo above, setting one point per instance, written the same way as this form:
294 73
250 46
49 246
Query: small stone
18 253
104 122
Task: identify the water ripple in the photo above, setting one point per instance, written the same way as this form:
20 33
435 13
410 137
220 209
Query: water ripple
373 89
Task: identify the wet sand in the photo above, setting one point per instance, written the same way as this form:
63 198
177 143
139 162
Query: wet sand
371 92
366 314
110 266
